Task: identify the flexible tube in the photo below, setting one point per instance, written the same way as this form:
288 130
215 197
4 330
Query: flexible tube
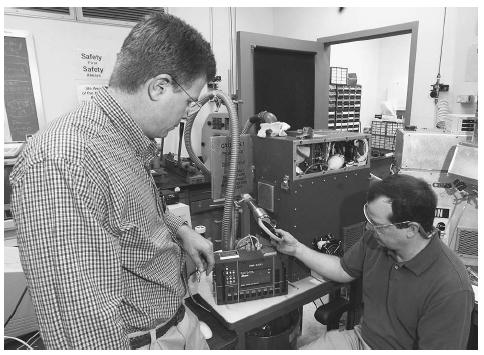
235 221
228 238
441 112
188 138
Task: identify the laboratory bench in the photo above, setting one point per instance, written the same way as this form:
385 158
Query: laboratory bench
242 317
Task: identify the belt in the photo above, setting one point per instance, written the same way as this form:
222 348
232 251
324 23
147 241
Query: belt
145 339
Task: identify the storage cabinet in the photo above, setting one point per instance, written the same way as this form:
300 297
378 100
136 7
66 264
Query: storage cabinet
344 107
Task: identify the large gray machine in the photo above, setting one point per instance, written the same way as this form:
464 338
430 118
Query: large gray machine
445 160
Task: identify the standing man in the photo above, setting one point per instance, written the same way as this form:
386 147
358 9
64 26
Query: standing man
416 291
104 262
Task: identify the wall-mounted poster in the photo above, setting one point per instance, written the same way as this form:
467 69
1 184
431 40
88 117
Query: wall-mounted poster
85 92
94 65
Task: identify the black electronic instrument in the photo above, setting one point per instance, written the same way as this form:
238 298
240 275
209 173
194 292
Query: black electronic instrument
242 275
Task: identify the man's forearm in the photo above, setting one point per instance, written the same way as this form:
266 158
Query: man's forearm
326 265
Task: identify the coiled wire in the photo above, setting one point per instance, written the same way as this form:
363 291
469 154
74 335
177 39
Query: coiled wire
441 112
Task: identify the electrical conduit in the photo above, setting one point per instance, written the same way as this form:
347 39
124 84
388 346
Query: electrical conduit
228 236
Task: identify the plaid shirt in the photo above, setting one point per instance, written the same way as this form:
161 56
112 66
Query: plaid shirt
99 254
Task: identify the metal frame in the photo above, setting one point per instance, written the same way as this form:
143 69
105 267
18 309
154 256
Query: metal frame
34 74
375 33
104 21
343 137
41 14
75 15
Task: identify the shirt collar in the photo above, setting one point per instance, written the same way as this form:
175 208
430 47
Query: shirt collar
127 127
423 260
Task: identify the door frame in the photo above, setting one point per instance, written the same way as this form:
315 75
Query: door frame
374 33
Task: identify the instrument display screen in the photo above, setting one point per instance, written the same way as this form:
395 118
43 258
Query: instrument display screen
255 277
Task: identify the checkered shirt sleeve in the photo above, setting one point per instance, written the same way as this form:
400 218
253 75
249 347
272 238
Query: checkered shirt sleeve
72 263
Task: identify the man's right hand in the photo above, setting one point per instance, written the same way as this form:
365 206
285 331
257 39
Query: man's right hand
329 266
288 244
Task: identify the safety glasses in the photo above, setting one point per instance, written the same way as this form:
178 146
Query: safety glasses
370 224
378 228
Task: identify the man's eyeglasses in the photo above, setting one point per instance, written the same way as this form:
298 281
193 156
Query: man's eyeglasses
194 106
370 225
378 227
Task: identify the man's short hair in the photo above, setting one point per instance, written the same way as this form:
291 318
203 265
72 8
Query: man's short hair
412 199
162 44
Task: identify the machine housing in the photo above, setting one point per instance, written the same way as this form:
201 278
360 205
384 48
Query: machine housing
439 158
427 149
312 201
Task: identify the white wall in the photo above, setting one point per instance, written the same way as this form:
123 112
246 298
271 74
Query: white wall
394 53
57 43
381 66
464 58
460 34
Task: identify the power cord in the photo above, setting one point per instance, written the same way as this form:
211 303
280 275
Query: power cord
35 340
16 307
256 246
187 286
20 341
28 341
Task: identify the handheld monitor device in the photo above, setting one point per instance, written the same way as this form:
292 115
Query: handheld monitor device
270 229
262 218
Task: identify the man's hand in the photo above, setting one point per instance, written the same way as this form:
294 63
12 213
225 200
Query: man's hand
288 245
198 248
328 266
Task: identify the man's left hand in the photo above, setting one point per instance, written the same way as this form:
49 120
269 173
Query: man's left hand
198 248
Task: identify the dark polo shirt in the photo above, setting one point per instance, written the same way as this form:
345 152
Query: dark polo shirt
423 303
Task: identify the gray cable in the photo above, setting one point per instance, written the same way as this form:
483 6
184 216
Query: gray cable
442 41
